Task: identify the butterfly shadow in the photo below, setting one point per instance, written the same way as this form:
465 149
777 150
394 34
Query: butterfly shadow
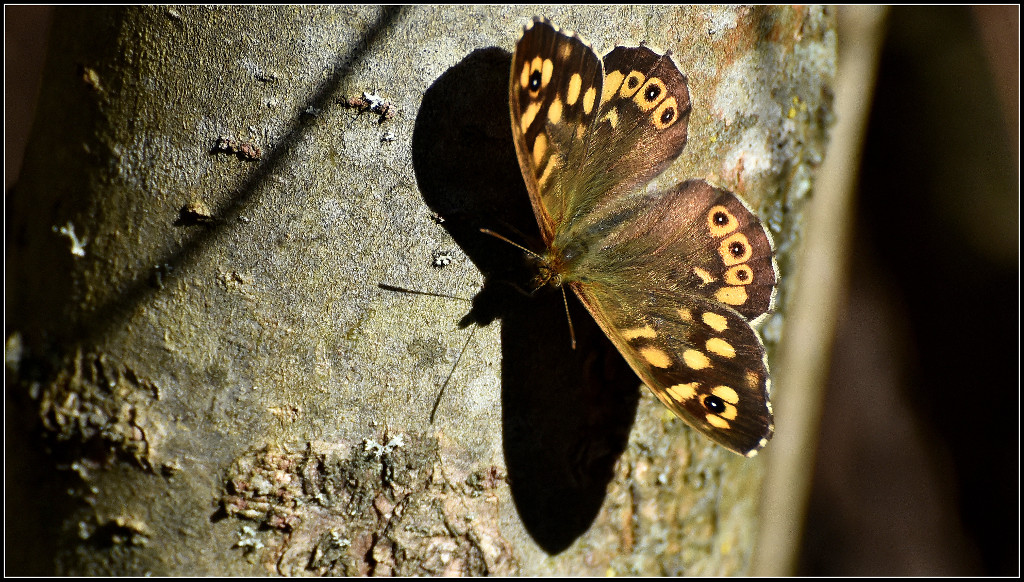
566 414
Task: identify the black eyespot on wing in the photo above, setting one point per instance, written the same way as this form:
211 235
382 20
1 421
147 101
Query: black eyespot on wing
714 404
737 249
652 93
720 218
668 115
535 82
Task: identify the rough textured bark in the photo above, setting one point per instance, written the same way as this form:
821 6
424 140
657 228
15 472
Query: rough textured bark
208 208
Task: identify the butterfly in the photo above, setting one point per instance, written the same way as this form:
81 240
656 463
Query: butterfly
676 278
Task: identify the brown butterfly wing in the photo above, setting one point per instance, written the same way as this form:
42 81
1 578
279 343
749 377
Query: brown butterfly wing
554 94
645 111
699 357
696 239
586 132
674 292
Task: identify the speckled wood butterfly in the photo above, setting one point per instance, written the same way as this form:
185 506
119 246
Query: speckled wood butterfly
676 278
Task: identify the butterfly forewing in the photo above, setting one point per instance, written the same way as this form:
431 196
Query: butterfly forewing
645 111
554 97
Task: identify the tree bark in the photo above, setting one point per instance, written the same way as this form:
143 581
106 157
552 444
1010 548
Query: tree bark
205 347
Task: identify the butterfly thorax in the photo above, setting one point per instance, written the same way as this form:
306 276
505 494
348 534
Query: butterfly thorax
596 246
552 269
569 258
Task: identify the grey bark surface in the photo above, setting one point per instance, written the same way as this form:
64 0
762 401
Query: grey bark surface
210 204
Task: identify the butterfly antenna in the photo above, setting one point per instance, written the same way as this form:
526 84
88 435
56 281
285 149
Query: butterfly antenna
437 402
572 332
565 300
515 244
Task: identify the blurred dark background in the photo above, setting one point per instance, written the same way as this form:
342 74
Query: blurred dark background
918 469
918 460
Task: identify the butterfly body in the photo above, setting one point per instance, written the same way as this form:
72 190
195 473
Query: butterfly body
675 278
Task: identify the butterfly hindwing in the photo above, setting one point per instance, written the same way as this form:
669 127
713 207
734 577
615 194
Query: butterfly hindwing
703 240
693 238
700 358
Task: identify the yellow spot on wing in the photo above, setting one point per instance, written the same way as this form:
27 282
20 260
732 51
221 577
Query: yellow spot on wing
729 226
546 71
726 252
729 412
705 276
732 295
588 100
717 345
524 77
641 96
540 147
612 116
667 104
726 393
681 392
645 331
656 357
717 421
753 379
555 111
686 314
554 162
630 85
531 113
715 321
575 83
611 84
695 360
732 276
